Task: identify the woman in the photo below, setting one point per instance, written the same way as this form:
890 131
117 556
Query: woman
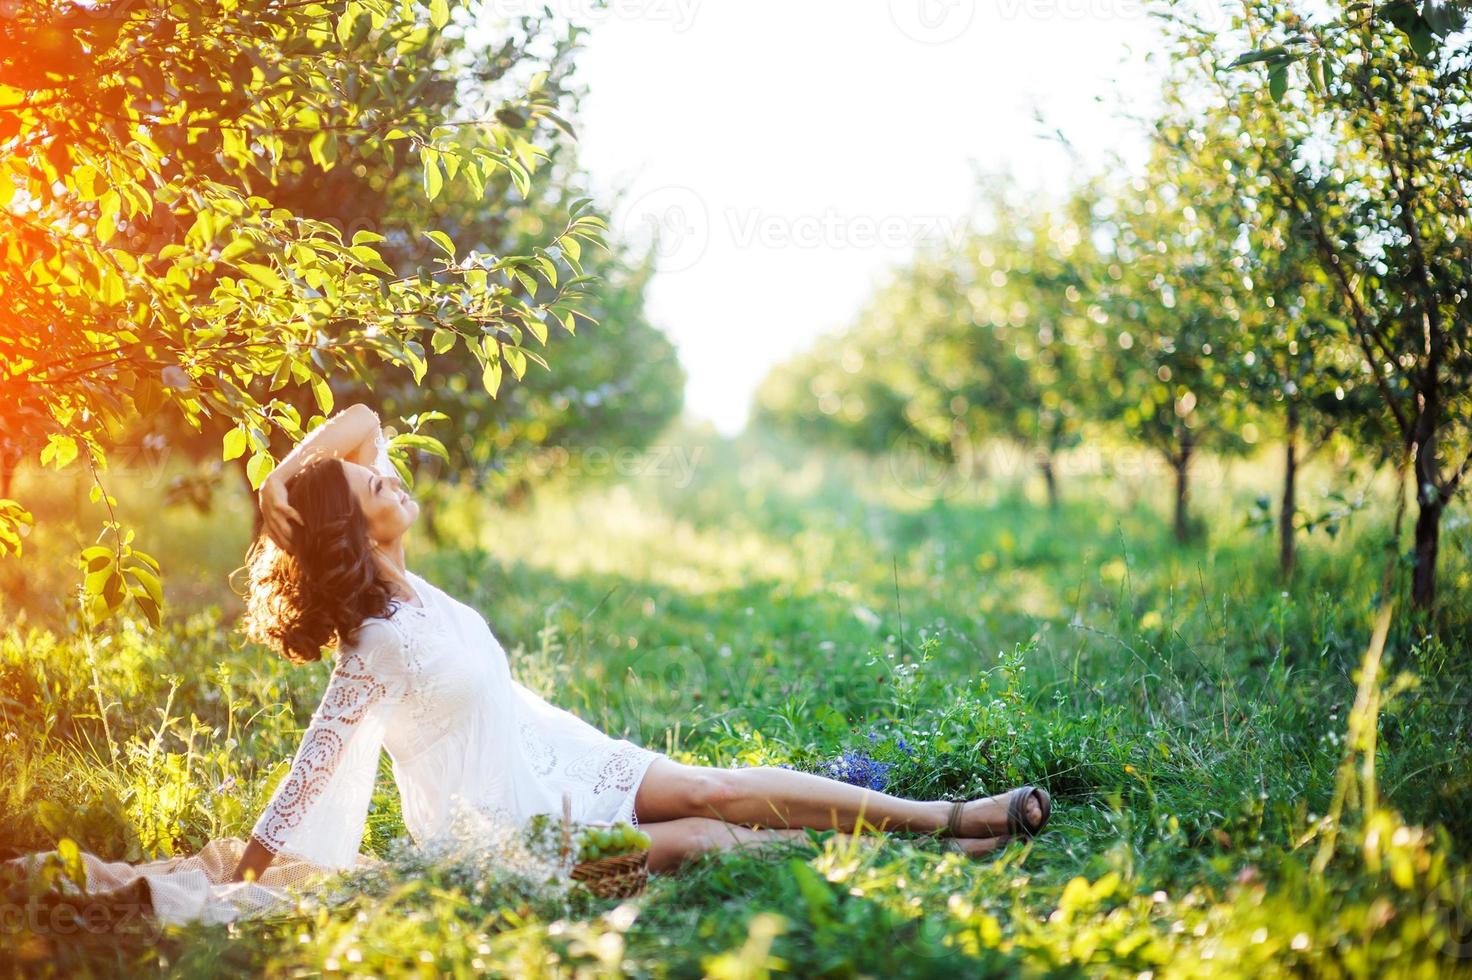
421 674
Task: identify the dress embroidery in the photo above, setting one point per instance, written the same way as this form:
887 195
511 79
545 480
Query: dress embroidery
540 755
416 629
617 773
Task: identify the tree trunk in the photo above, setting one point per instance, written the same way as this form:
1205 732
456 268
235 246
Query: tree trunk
1182 464
1428 536
1430 503
1050 476
1290 495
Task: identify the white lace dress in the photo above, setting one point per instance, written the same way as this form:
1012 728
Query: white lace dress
431 684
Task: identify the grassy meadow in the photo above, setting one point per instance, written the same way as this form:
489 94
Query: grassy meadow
749 602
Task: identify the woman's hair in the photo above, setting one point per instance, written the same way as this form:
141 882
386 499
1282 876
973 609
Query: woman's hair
317 594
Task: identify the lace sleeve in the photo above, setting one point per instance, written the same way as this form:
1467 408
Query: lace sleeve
319 808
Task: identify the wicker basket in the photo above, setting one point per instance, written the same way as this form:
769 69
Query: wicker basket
620 876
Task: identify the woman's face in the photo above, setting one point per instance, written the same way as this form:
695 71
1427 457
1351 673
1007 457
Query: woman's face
386 504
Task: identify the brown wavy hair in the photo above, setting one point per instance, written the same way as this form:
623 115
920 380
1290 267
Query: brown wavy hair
319 592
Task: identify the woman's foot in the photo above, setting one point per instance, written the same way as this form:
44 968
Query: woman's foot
976 847
983 818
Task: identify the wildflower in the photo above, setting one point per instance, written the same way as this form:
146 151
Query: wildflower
859 770
875 736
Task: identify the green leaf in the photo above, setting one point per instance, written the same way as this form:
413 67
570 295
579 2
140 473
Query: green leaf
442 340
1443 17
1252 57
527 282
439 13
150 583
323 149
816 892
1423 42
443 241
433 179
59 449
234 444
258 468
113 590
149 607
240 247
491 376
370 257
263 274
428 444
1278 82
1315 66
516 359
345 23
322 392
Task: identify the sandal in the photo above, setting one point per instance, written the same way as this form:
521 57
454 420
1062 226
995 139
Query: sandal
1015 823
953 846
1016 801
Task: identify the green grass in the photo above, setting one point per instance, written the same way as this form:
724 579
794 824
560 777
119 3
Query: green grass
1185 708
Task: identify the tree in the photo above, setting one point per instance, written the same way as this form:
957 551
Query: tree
1364 134
871 385
1027 278
1171 292
148 267
1291 360
618 379
965 344
618 382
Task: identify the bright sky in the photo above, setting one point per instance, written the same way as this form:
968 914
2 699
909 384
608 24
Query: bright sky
792 150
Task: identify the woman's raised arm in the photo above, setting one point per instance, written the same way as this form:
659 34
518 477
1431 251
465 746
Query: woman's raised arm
350 434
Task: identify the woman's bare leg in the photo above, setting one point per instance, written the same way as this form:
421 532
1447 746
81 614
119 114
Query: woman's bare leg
673 842
770 796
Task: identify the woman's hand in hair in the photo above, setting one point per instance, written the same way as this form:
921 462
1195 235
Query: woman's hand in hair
278 516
